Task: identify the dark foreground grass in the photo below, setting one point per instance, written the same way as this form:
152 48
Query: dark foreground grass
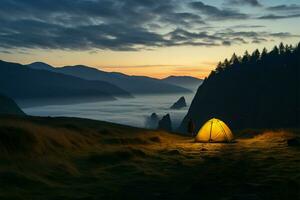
69 158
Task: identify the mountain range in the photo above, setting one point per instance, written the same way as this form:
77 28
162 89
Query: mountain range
30 86
42 84
132 84
184 81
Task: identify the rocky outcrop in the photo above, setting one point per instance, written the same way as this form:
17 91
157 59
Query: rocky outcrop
181 103
9 107
165 123
152 121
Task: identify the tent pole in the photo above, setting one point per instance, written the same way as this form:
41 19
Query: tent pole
223 131
211 124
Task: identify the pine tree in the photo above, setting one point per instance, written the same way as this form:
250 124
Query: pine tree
246 57
297 48
281 49
234 59
280 56
255 55
226 63
275 51
264 53
219 67
288 49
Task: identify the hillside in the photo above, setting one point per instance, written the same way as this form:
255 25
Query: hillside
132 84
184 81
22 84
9 107
261 90
69 158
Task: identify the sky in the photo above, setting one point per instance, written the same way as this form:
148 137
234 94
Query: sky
155 38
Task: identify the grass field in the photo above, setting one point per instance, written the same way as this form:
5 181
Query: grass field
69 158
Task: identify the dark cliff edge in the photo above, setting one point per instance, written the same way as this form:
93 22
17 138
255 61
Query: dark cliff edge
261 90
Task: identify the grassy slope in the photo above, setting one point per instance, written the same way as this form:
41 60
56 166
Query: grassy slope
68 158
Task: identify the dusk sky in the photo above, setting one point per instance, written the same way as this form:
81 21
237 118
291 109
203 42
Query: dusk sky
156 38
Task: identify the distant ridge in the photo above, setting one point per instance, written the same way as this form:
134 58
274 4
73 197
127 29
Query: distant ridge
132 84
41 66
184 81
23 83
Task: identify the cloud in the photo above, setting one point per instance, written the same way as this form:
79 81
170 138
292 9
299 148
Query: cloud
292 7
36 34
118 25
253 34
123 25
217 13
247 26
283 35
282 12
273 17
5 51
241 37
259 40
254 3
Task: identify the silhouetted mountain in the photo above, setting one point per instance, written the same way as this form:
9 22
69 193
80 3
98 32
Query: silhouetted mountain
188 82
181 103
261 90
9 107
165 123
41 66
23 83
132 84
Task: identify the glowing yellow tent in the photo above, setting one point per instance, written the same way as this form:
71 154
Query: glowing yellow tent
214 131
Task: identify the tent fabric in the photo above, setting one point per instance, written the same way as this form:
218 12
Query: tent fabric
214 130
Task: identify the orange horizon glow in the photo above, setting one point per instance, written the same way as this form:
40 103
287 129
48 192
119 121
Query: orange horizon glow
161 71
158 63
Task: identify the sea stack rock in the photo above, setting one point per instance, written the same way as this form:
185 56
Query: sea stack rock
152 121
181 103
154 116
165 123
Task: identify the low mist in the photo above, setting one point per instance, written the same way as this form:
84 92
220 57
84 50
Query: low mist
134 112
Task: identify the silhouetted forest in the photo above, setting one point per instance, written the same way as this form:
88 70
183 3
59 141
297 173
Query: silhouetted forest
258 90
